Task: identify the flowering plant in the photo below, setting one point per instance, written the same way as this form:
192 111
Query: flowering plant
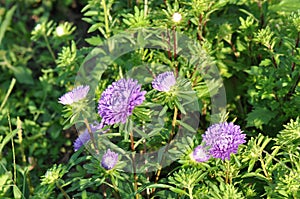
149 99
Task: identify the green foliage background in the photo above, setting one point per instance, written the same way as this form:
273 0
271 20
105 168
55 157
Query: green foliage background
254 43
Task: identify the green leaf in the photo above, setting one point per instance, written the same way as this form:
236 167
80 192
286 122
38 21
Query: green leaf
257 175
95 27
259 116
23 75
186 126
94 40
17 192
4 178
286 5
7 138
179 191
6 22
251 164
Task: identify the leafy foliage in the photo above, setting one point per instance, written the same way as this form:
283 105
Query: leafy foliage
254 44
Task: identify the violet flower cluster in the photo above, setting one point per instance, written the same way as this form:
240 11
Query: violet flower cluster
219 141
118 101
200 154
109 160
164 81
77 94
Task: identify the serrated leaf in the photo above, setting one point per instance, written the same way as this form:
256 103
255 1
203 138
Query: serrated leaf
259 116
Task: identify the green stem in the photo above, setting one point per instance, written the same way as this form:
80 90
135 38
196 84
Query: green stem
49 47
11 86
41 106
107 30
263 166
145 8
116 191
133 165
227 178
62 190
13 149
175 50
167 147
20 137
174 123
190 193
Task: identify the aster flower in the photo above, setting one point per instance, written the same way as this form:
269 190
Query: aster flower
81 140
109 160
84 137
118 101
164 81
200 154
223 139
75 95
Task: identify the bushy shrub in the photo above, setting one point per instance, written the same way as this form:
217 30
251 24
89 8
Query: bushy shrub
149 99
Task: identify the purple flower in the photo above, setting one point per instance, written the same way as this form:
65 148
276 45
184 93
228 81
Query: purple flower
75 95
109 160
118 101
85 136
200 154
81 140
164 81
223 139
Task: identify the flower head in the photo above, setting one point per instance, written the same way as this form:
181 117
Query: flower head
176 17
223 139
164 81
75 95
118 101
84 137
60 31
200 154
109 160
